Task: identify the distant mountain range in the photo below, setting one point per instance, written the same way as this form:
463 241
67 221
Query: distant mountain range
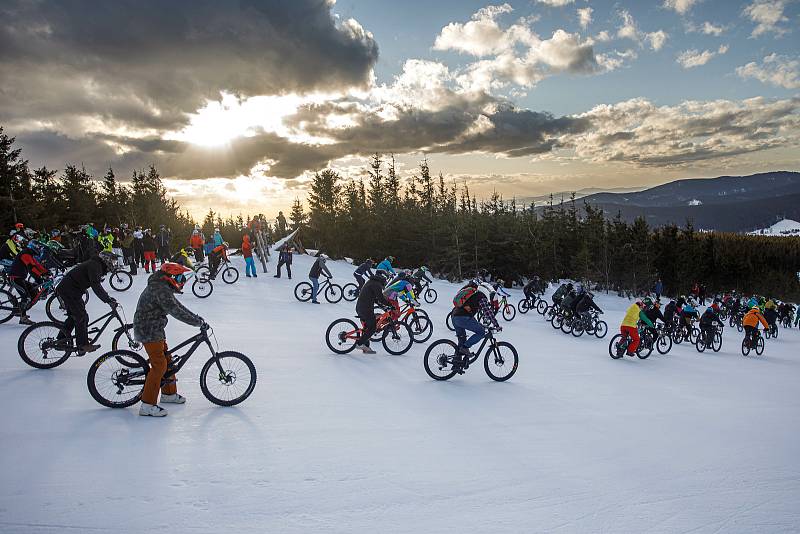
727 203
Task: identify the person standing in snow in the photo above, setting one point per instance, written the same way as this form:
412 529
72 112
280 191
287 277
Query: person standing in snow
163 240
149 251
156 302
659 288
138 250
197 242
317 269
217 238
247 252
285 258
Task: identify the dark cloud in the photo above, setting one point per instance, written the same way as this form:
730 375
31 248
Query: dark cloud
144 63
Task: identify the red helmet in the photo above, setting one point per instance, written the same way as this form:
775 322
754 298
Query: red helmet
19 226
715 307
175 274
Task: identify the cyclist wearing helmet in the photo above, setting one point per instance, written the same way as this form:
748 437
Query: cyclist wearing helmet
12 246
24 265
216 255
317 269
371 294
70 290
750 323
363 271
386 265
629 326
477 300
156 302
708 320
417 278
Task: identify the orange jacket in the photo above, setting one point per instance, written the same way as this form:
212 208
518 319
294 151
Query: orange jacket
247 248
220 251
196 241
753 317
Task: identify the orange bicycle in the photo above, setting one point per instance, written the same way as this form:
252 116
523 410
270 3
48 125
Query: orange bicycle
395 335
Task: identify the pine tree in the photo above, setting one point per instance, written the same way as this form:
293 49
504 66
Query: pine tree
297 216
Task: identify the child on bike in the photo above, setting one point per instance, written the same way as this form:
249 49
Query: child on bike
630 325
85 275
371 294
156 302
750 324
468 302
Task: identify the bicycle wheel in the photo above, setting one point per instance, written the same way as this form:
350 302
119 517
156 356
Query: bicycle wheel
700 344
645 348
55 310
566 326
664 344
230 275
333 293
716 344
523 306
203 272
601 329
116 379
431 295
202 287
501 361
557 321
449 322
677 337
121 280
541 307
420 324
509 312
760 346
438 360
745 347
616 348
120 341
397 338
303 291
341 336
350 292
8 306
39 345
577 329
228 378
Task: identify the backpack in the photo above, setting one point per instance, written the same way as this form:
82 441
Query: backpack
463 296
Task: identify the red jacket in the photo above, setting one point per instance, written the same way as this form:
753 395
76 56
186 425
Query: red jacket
196 241
247 247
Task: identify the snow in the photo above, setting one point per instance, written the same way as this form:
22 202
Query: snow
784 227
574 442
695 202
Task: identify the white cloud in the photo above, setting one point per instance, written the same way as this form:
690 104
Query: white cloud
629 30
680 6
556 3
694 58
480 36
603 36
781 71
711 29
768 15
585 16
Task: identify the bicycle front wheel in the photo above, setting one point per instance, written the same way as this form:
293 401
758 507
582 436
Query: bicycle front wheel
202 287
45 345
509 312
228 378
449 322
438 359
664 344
116 379
333 293
501 361
55 310
760 346
230 275
350 292
431 295
421 326
8 305
397 338
541 307
717 343
121 280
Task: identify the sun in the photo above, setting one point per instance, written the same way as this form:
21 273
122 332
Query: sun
216 124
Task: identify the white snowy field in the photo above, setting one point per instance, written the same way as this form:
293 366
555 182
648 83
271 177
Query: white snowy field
574 442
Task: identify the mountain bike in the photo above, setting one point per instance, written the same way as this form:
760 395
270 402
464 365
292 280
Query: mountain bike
713 342
508 310
202 286
350 292
590 323
535 302
396 337
116 378
500 362
225 269
757 344
428 293
54 308
8 305
771 332
618 347
333 292
685 332
120 280
419 322
47 344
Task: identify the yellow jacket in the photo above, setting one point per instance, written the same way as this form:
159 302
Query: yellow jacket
631 316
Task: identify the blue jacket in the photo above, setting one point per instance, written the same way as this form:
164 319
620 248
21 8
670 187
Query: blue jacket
217 239
386 266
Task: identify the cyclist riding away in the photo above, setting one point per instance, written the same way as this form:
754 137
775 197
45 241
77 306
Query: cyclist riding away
750 323
155 303
707 322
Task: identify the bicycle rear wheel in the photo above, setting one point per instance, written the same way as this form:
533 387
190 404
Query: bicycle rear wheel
341 336
523 306
601 329
230 275
397 338
501 361
431 295
438 360
420 324
121 280
228 378
39 345
8 306
303 291
116 379
350 292
509 312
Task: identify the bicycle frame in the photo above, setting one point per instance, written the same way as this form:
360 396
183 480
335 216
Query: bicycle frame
488 338
96 332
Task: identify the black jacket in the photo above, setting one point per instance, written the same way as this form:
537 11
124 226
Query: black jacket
164 238
148 243
319 268
88 274
654 313
370 295
669 311
586 303
365 267
709 317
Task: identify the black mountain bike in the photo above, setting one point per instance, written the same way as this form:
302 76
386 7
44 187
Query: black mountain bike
500 362
712 341
116 379
756 344
333 292
46 345
120 280
428 293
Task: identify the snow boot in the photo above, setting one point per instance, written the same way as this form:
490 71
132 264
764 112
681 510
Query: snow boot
366 349
25 319
88 348
177 398
152 410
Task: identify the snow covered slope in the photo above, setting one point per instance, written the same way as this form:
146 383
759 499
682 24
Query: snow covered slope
574 442
784 227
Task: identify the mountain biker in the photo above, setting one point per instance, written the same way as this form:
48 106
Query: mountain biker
652 309
182 257
567 301
468 302
770 313
317 269
24 265
630 322
12 246
197 242
688 314
363 271
371 294
247 253
85 275
709 318
106 240
750 323
585 304
561 292
400 288
533 288
417 278
670 311
155 303
215 257
386 265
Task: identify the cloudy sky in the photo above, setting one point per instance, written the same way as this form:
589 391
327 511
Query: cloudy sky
238 102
